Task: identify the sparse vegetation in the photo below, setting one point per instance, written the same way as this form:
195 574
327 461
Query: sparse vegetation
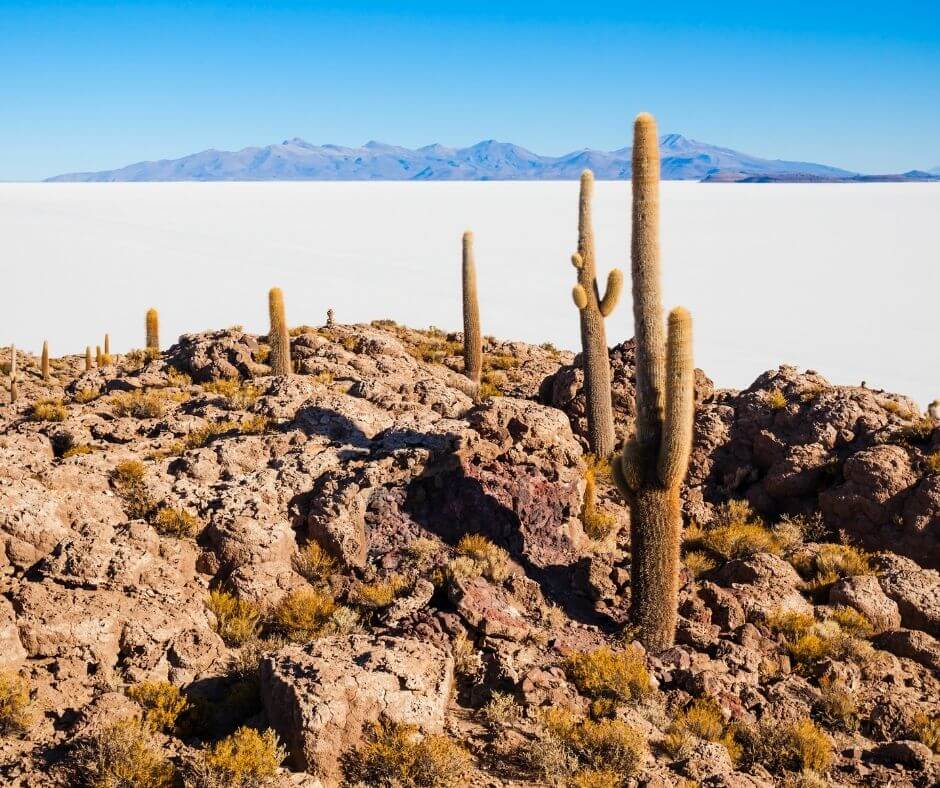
303 614
698 562
142 404
171 521
236 620
490 559
14 703
315 564
794 746
124 754
380 593
234 393
128 479
926 729
837 706
163 703
831 562
703 720
48 410
77 450
736 532
397 756
246 759
589 746
775 399
502 709
603 673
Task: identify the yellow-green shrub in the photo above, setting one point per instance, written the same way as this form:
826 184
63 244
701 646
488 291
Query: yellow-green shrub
794 746
14 703
702 719
246 759
492 560
139 404
315 563
830 563
609 745
380 593
124 754
235 394
236 620
837 705
396 755
606 674
303 614
48 410
176 522
162 702
128 479
926 729
698 562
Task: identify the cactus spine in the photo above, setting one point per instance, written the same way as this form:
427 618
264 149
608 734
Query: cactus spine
45 361
153 330
472 341
278 338
87 358
13 387
593 309
654 461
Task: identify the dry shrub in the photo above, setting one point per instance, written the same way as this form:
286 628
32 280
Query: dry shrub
502 709
139 404
597 524
78 450
396 755
246 759
303 614
499 361
467 660
171 521
492 561
609 745
128 479
852 622
123 754
421 553
837 705
932 462
85 396
48 410
831 562
810 527
737 532
488 389
606 674
380 594
926 729
702 719
698 562
203 436
234 393
775 399
315 564
236 620
808 640
14 704
162 703
596 778
794 746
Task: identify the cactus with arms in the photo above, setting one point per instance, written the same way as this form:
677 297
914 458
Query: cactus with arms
593 309
153 330
278 338
654 462
472 342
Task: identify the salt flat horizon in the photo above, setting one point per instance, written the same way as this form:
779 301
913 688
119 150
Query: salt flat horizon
840 278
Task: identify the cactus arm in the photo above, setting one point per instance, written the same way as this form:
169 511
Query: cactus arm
680 400
612 294
579 296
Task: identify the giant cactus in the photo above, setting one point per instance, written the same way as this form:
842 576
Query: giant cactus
654 462
44 363
13 384
153 330
278 338
87 358
472 342
593 309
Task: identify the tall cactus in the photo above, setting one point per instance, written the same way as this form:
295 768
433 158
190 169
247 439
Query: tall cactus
593 309
13 385
472 341
87 358
153 330
107 344
44 364
99 357
655 460
278 338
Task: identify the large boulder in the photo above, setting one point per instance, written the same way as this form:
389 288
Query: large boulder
321 697
216 355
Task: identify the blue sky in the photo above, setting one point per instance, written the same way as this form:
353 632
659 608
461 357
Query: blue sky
88 86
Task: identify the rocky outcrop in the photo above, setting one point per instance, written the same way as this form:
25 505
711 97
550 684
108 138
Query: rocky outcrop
320 697
216 355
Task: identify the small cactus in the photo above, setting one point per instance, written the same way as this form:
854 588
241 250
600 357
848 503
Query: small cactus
44 363
593 309
153 330
87 358
99 358
472 341
278 338
653 464
107 344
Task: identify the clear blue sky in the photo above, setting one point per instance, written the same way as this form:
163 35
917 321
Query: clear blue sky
98 85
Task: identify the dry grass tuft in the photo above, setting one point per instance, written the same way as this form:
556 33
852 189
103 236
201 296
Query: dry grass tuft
121 755
501 710
176 522
379 594
396 755
832 562
604 745
48 410
926 729
315 564
491 560
837 705
234 393
602 673
128 478
246 759
703 720
162 702
14 704
794 746
698 562
142 404
303 615
236 620
775 399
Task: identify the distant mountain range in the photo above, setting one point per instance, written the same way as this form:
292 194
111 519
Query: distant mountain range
297 160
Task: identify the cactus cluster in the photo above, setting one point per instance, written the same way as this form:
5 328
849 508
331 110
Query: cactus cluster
278 337
653 463
472 340
593 308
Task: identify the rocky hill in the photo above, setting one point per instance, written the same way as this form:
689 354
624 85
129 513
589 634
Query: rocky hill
401 584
